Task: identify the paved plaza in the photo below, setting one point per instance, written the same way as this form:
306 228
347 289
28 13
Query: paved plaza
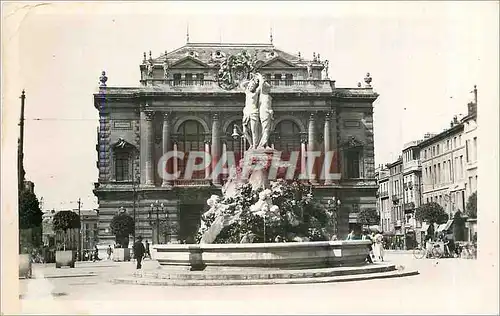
443 286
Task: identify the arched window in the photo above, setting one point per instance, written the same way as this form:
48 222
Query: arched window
286 138
123 156
191 137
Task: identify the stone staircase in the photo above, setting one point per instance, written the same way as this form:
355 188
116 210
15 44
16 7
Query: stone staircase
253 276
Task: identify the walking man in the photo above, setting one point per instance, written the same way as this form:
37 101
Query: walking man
139 251
109 251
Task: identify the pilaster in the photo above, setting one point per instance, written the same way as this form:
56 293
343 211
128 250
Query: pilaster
166 146
149 115
215 147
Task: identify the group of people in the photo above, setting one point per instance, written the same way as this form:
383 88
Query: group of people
376 247
91 255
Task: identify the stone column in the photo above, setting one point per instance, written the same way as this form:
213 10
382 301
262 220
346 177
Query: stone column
311 146
328 154
215 147
175 162
149 115
334 140
207 152
303 153
166 147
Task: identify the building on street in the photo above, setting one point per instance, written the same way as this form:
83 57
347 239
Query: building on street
440 168
180 106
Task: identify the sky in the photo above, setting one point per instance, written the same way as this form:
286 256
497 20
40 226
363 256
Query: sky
424 58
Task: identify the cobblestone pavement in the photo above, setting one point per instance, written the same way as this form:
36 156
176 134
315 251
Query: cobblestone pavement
454 286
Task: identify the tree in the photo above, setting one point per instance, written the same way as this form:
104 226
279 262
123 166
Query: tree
459 226
65 220
368 217
122 225
471 207
431 213
286 210
30 215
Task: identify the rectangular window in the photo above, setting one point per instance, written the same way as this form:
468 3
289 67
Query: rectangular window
289 78
189 79
201 78
467 150
450 167
456 168
177 79
437 149
461 167
122 167
475 148
353 164
459 140
439 173
454 142
430 175
448 144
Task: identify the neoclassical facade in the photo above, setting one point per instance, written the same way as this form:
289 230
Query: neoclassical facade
180 106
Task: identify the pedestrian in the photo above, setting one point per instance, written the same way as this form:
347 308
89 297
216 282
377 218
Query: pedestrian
109 251
378 246
96 254
366 236
148 254
139 251
350 236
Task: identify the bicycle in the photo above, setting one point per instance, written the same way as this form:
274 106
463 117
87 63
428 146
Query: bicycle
434 252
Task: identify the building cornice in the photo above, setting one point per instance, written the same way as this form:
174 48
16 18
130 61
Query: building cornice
455 129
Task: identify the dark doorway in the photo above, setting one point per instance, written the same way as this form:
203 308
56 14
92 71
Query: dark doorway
190 216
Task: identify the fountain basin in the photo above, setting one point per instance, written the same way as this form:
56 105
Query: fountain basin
292 255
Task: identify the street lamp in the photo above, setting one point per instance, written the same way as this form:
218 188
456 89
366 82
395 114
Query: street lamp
238 133
336 205
157 208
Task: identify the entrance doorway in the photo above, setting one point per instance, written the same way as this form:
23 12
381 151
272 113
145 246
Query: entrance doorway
189 218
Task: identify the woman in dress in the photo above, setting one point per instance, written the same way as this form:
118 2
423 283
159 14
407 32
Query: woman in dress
378 247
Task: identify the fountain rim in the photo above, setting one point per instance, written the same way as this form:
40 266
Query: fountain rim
280 245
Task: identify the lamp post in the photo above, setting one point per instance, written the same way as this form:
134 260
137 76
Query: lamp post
134 197
236 134
336 206
157 209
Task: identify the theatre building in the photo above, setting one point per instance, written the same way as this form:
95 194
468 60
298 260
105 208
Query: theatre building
181 106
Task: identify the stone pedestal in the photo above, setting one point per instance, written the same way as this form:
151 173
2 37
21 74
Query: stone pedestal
65 258
121 254
256 164
25 266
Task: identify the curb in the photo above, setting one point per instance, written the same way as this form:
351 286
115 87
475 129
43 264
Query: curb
348 278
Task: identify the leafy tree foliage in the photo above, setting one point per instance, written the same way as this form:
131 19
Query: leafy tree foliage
294 214
368 217
122 225
30 215
65 220
431 213
471 207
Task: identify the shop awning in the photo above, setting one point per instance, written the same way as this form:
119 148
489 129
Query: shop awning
446 226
